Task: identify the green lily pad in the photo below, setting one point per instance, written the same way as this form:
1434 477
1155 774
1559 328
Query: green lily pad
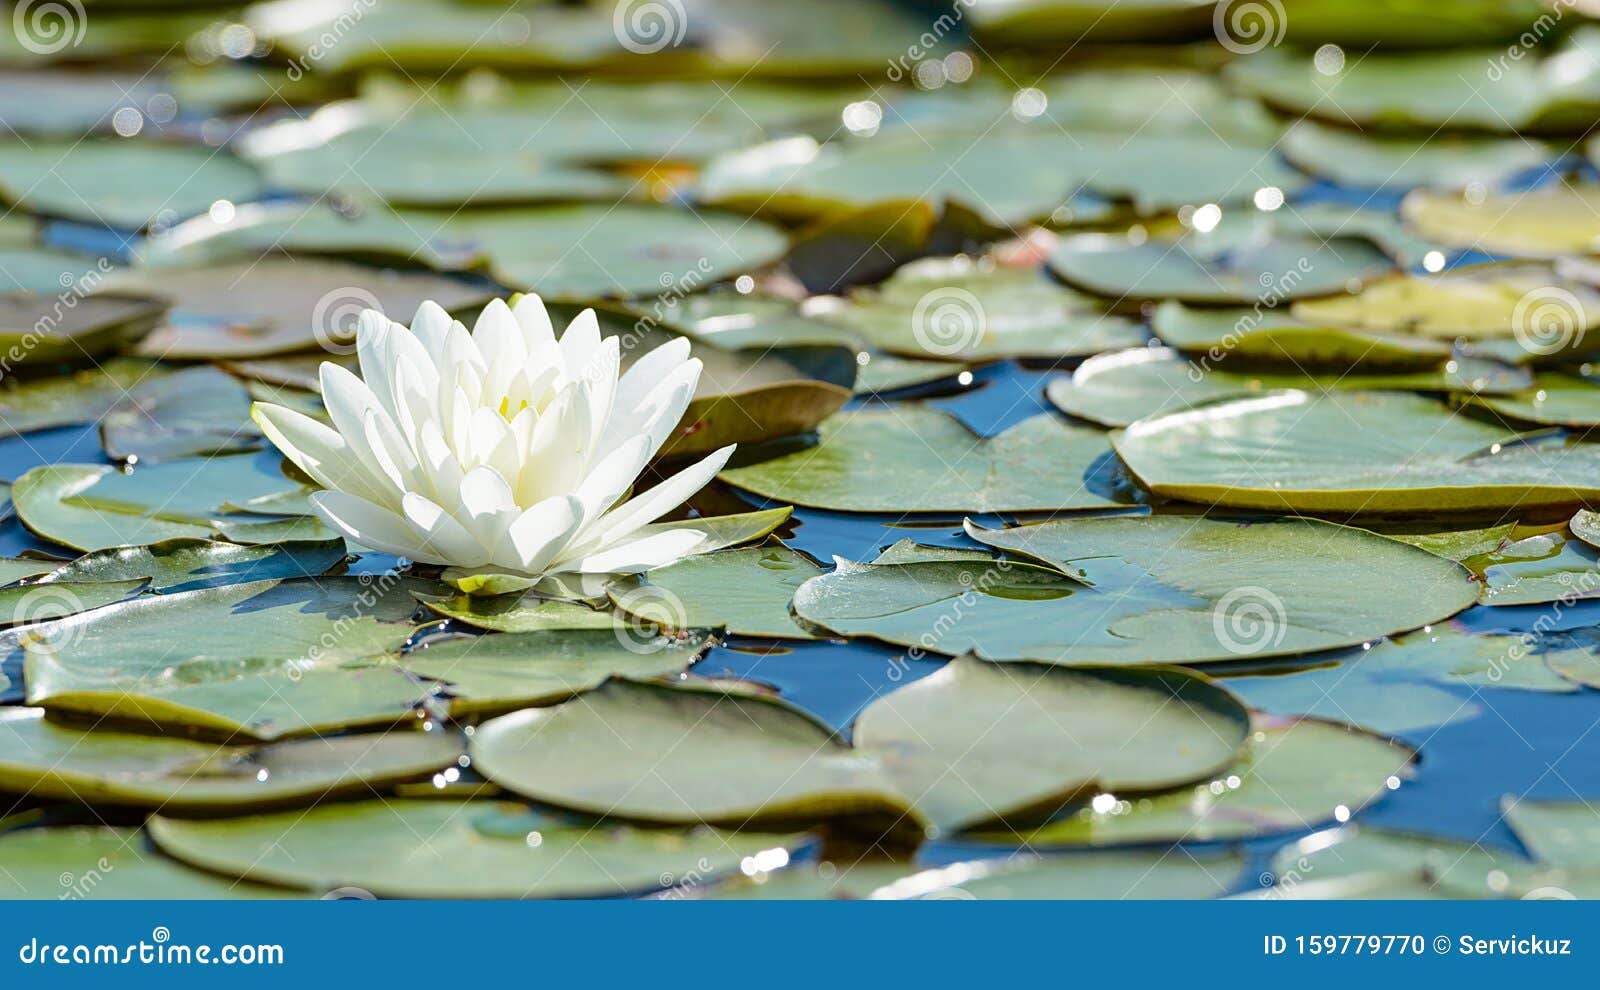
26 267
1585 525
1144 589
1352 452
1545 567
69 103
1454 543
745 592
1402 684
736 320
80 397
121 183
1447 161
1119 388
93 507
391 165
260 660
23 604
956 309
526 612
292 529
1046 22
883 373
938 465
39 329
1130 875
180 565
974 743
1547 222
1437 867
14 569
188 413
501 673
1552 399
1225 266
573 251
785 766
1561 832
183 776
277 305
442 848
88 862
1551 93
1294 774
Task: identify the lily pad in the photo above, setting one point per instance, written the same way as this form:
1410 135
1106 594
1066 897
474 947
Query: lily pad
182 776
93 507
1295 774
1545 567
745 592
1274 338
938 465
1552 399
1144 589
261 660
1517 312
572 251
1352 452
500 673
1121 875
179 565
1551 93
88 862
188 413
956 309
1436 867
277 305
80 397
1119 388
22 604
121 183
1548 222
39 329
441 848
971 744
1225 266
1404 684
1561 832
1448 161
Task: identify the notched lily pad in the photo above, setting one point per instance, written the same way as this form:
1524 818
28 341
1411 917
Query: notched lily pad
746 592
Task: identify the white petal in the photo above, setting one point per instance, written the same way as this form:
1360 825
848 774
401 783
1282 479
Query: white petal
641 510
612 477
542 532
370 525
444 539
318 451
650 369
656 550
579 342
431 326
538 335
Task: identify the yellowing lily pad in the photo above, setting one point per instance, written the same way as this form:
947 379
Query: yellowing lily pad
1547 222
89 862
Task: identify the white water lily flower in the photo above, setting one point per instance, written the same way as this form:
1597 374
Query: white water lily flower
503 451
